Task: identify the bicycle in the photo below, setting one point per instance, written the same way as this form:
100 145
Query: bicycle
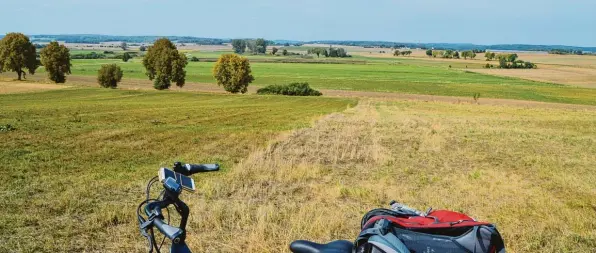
168 196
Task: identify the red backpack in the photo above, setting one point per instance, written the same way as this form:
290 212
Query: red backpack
406 230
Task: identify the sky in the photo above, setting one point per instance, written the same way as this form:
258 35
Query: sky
550 22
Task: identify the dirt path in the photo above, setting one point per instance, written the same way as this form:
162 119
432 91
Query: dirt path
140 84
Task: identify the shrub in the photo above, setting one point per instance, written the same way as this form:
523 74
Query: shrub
233 73
292 89
109 76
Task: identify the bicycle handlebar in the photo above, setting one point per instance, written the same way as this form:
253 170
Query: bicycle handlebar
171 232
189 169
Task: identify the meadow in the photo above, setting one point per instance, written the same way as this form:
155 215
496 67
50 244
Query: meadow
75 168
412 76
75 161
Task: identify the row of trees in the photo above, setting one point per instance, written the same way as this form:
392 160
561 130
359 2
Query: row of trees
258 46
402 53
329 52
451 54
163 63
18 54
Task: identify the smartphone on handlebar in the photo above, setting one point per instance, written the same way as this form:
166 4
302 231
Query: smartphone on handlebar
187 183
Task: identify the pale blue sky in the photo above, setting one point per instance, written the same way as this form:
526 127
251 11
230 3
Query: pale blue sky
568 22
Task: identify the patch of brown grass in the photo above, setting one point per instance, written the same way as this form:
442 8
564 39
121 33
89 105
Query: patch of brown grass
530 171
20 87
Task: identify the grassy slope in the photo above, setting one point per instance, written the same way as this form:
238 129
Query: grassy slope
530 171
75 168
408 76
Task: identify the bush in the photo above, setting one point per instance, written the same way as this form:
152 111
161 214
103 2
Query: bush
233 73
194 59
109 76
293 89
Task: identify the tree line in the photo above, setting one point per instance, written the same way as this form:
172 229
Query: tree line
402 53
18 54
257 46
451 54
508 61
329 52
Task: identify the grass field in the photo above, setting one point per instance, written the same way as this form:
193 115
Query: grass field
531 171
74 169
76 165
405 76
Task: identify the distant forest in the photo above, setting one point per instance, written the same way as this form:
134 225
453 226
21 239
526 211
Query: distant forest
96 39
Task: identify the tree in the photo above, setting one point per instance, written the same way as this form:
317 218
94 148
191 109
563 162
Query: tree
252 46
472 55
489 56
142 48
164 64
455 55
261 45
511 57
429 53
126 57
285 52
123 45
109 75
396 53
56 60
274 50
318 51
233 73
503 63
17 53
239 46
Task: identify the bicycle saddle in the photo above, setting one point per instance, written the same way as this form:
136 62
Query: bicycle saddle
340 246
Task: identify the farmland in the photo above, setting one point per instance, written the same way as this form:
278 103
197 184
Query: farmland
77 157
402 75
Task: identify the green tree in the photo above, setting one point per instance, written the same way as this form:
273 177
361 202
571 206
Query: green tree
164 64
233 73
284 52
142 48
55 59
126 57
109 75
123 45
489 56
465 54
511 57
472 55
455 55
17 53
318 51
396 53
261 45
239 46
274 50
503 63
429 53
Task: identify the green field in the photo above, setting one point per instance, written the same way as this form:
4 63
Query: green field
404 77
75 167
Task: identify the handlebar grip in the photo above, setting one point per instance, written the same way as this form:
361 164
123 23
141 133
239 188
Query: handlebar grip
197 168
169 231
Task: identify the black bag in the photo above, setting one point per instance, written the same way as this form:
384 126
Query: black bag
441 231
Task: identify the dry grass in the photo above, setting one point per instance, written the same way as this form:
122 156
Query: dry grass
530 171
20 87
